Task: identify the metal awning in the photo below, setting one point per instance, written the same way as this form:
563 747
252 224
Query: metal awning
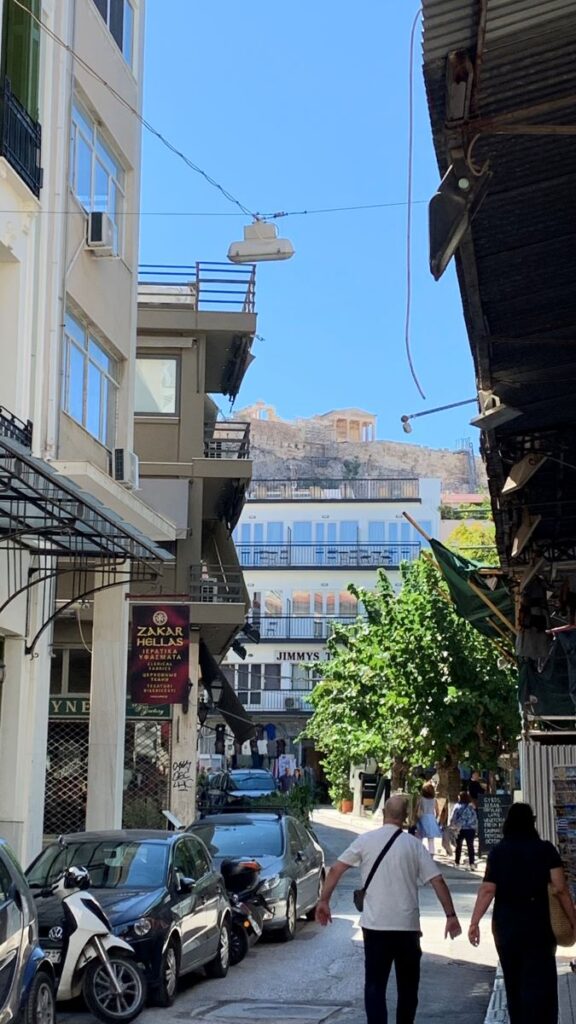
44 511
51 528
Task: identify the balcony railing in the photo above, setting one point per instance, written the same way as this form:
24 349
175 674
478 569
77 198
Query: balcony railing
227 440
384 489
275 700
204 286
15 429
216 585
20 138
357 556
296 627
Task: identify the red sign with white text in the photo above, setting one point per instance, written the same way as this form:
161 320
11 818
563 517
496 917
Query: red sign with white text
159 670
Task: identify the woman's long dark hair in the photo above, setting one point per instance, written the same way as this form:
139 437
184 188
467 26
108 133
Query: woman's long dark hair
519 823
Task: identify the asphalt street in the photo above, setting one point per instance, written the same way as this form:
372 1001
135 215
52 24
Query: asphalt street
319 976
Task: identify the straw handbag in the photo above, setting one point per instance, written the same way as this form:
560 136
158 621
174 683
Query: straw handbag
563 931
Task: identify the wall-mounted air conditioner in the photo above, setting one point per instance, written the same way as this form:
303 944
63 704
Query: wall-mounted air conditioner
290 703
126 468
100 234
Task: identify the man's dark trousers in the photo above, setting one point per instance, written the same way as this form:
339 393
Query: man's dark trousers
381 950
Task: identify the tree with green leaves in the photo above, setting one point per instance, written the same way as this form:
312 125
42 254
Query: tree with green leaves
476 541
411 684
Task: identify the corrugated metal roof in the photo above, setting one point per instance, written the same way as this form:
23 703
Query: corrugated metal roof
518 265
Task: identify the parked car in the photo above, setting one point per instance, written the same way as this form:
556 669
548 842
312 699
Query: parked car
225 788
26 975
270 859
160 892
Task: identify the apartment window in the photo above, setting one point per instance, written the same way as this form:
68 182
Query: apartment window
97 178
21 51
271 677
90 381
119 17
156 386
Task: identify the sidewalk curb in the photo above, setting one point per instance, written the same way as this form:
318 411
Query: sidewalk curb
497 1012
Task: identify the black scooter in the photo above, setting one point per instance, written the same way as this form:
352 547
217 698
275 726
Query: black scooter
246 928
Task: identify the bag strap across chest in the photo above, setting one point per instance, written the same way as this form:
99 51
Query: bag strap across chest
380 858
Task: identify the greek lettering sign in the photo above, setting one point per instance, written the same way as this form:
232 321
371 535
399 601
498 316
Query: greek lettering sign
159 658
492 811
79 707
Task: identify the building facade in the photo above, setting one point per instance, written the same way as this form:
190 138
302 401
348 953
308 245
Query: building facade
301 544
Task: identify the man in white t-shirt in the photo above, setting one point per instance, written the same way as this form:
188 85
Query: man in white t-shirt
390 919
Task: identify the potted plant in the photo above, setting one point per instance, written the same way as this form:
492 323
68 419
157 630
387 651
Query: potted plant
342 796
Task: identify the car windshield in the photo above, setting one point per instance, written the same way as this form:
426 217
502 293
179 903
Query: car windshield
249 839
111 864
249 783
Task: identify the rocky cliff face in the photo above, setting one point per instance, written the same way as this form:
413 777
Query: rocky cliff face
307 450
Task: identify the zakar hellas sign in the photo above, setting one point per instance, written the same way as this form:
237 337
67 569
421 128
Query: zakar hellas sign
159 669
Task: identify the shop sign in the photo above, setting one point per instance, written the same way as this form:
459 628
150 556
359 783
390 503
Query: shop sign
492 811
159 670
79 707
308 657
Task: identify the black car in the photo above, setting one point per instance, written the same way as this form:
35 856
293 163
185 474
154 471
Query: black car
272 859
161 893
26 975
226 788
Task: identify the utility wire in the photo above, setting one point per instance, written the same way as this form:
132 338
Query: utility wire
409 206
146 124
232 213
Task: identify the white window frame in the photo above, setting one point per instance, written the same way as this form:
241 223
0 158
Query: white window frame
83 127
128 56
86 347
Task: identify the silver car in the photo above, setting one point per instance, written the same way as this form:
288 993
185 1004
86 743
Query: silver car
26 975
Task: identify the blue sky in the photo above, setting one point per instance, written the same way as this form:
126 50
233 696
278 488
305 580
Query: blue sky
295 107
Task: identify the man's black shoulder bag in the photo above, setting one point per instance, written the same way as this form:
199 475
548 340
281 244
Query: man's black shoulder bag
359 894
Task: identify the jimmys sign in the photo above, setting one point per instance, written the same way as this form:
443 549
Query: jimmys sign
159 657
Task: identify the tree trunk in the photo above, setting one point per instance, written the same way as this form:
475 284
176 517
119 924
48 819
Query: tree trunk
399 774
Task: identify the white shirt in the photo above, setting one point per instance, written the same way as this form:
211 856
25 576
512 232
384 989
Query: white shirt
391 902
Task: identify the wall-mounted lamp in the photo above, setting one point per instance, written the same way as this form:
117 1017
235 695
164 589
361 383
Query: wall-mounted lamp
239 649
203 711
405 420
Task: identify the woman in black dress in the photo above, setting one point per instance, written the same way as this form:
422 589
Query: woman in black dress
517 875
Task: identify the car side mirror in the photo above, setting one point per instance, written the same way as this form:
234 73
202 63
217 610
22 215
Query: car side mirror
15 895
184 884
299 856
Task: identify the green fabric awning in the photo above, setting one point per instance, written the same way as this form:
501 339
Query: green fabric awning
459 573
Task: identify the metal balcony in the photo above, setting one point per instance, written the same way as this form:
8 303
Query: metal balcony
327 556
227 440
203 286
296 627
20 138
15 429
383 489
220 585
275 700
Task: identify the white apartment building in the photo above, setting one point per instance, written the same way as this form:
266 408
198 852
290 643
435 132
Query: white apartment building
73 533
301 543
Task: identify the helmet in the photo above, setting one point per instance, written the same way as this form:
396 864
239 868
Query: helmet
76 878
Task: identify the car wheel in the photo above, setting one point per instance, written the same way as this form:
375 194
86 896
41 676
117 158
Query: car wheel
311 915
41 1002
164 993
288 930
218 967
239 944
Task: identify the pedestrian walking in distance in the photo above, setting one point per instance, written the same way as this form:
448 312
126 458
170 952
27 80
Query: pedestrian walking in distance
464 821
518 872
428 827
390 917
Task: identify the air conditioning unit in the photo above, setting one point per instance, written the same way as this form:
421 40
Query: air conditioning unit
126 468
100 234
290 703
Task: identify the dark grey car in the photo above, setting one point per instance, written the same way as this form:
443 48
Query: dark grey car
267 858
26 975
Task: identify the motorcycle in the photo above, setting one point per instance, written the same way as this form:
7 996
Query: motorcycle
87 958
245 930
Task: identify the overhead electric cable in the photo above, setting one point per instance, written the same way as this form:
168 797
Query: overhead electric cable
146 124
409 206
232 213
